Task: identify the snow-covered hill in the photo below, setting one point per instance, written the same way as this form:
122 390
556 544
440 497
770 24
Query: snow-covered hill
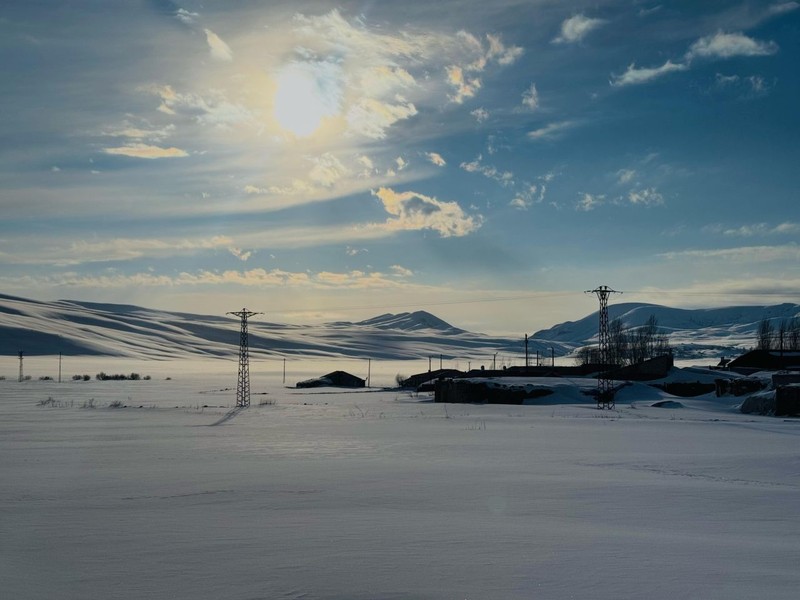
709 330
88 328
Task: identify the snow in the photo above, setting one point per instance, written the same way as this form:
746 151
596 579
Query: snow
381 494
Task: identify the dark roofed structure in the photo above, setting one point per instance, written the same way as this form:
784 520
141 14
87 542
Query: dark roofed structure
334 379
765 360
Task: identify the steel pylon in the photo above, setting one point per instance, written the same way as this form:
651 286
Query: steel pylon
243 381
605 385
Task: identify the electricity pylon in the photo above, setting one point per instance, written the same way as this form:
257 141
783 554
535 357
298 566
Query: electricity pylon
243 382
605 386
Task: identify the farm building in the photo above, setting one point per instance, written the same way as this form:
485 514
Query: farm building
334 379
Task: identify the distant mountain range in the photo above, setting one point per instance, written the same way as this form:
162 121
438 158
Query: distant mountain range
692 332
88 328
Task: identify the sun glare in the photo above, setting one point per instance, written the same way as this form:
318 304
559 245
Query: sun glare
302 100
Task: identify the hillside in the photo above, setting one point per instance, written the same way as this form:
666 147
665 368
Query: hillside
88 328
691 331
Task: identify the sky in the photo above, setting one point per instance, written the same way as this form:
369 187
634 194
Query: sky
316 161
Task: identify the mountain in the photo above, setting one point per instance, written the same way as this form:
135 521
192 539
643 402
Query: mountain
85 328
712 331
414 321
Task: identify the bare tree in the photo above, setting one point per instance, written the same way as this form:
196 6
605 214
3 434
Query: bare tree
765 335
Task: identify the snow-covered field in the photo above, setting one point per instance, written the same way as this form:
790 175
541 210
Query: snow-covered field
374 494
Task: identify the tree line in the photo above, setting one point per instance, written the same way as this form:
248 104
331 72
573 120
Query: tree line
783 336
629 346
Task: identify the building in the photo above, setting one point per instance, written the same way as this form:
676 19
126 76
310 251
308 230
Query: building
334 379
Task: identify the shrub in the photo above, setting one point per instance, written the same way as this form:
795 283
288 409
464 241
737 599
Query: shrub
116 404
45 378
77 377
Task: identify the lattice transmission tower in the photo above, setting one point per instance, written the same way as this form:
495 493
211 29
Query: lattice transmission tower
243 382
605 385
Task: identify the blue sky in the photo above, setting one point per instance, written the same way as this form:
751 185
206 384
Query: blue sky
486 161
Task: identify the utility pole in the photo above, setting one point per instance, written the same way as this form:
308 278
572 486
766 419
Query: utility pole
59 367
243 381
20 365
284 370
369 370
605 386
526 350
552 357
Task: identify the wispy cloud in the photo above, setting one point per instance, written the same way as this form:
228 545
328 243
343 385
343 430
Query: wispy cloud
756 229
464 76
115 249
727 45
551 130
435 158
240 254
415 211
576 28
636 76
590 201
138 150
481 115
625 176
504 178
530 98
219 49
780 8
749 254
645 197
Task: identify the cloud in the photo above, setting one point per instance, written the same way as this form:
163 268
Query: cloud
505 178
625 176
186 17
435 158
634 76
530 98
213 108
480 114
530 194
463 76
758 229
240 254
414 211
463 85
749 87
645 197
576 28
727 45
136 150
399 271
327 170
550 131
219 49
749 254
116 249
589 202
781 8
371 118
126 129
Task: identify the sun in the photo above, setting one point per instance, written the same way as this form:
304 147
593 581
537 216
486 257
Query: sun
305 96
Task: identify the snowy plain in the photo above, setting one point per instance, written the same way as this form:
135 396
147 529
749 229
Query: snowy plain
379 493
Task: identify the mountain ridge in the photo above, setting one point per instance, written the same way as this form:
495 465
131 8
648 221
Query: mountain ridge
80 327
